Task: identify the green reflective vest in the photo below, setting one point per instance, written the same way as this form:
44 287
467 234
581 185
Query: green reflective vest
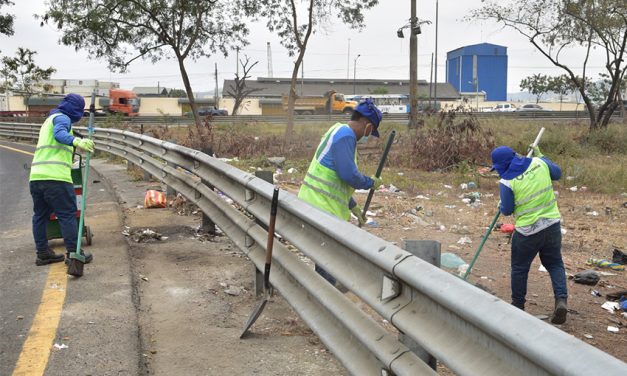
52 160
322 187
533 194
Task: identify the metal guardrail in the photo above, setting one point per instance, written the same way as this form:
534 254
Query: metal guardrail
276 119
467 329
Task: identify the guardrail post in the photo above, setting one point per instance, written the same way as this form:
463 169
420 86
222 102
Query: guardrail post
429 251
207 224
258 275
169 191
146 173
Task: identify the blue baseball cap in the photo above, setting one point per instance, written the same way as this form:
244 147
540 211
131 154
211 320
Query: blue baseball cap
367 109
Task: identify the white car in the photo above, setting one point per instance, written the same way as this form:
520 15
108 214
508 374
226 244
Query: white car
504 107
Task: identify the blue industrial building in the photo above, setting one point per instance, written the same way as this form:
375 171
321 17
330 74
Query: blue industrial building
485 64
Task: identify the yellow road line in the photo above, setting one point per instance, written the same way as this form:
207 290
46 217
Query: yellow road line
18 150
36 351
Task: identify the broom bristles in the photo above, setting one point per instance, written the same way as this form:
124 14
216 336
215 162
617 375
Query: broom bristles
75 268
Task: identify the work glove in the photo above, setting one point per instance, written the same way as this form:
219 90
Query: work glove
84 144
356 210
536 151
376 182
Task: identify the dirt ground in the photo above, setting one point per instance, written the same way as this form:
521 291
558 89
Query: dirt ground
593 224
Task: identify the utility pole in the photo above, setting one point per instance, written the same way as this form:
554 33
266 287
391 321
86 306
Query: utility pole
269 61
435 86
413 68
216 100
355 72
431 81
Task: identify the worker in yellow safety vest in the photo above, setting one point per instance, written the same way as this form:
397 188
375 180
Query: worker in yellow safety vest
333 176
526 191
51 184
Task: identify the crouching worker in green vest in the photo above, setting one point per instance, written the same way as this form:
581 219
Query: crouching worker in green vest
51 184
526 191
333 176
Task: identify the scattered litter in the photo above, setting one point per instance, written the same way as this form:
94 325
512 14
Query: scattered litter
569 178
421 197
573 189
370 213
541 316
507 228
143 278
462 269
619 257
234 290
472 185
542 268
101 190
229 159
20 317
141 236
593 213
611 307
442 228
464 240
155 199
624 314
605 264
400 173
595 293
588 336
587 277
393 189
372 223
291 170
451 260
466 200
277 161
450 206
564 231
607 274
463 186
461 230
448 186
612 329
61 346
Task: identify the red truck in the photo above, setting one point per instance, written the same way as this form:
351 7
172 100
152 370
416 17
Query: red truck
120 101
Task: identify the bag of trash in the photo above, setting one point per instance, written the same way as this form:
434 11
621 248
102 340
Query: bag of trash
619 257
154 199
587 277
602 263
451 260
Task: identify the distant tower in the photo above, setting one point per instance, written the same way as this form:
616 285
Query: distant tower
269 61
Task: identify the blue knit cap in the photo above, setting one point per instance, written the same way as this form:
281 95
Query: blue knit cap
507 163
372 113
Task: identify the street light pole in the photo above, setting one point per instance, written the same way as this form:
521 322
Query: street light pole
435 86
355 72
413 68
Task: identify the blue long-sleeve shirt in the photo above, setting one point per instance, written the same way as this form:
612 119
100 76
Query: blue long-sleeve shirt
340 158
507 195
61 129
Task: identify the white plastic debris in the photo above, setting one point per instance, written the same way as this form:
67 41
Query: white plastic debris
610 306
461 270
593 213
542 268
421 197
61 346
393 189
569 178
450 206
291 170
463 186
400 174
564 231
612 329
448 186
573 189
464 240
588 336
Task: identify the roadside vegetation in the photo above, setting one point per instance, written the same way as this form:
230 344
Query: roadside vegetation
448 149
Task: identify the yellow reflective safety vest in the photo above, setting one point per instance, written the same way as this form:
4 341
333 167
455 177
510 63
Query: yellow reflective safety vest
322 187
52 160
533 194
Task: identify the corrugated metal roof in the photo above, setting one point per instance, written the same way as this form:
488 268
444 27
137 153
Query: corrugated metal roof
277 87
150 90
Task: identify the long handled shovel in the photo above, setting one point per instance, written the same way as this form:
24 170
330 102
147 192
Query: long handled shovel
77 259
266 273
496 217
384 157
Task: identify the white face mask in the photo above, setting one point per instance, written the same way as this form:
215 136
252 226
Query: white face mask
364 138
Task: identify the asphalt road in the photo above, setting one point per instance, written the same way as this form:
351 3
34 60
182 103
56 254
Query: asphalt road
97 315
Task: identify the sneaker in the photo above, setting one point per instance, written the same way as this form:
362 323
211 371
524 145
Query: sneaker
48 257
88 258
559 315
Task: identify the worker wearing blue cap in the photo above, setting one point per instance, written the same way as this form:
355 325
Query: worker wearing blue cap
333 176
526 191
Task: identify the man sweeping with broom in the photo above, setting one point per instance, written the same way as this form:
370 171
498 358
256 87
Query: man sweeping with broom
51 184
526 191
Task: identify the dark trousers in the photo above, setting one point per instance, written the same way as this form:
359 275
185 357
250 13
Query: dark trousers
51 196
547 243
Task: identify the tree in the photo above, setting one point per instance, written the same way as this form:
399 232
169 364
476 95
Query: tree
239 91
553 27
6 20
560 85
177 93
536 84
282 17
121 31
22 75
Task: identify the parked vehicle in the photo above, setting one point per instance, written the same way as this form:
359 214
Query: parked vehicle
331 102
504 107
120 101
531 107
209 111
